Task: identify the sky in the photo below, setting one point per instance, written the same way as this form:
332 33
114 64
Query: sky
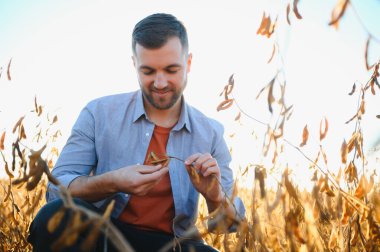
69 52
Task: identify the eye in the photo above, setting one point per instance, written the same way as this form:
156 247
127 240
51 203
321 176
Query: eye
147 72
172 70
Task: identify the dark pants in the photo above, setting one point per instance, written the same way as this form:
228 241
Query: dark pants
140 240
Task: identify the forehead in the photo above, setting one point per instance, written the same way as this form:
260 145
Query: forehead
170 53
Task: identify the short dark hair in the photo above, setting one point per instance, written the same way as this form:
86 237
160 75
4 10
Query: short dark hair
155 30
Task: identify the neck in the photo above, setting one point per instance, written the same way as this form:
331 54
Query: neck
164 117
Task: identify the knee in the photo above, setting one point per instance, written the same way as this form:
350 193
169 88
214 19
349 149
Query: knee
47 211
38 227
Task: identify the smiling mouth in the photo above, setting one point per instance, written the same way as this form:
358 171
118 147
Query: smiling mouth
161 92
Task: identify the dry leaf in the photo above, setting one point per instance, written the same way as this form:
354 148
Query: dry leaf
55 220
263 24
35 104
289 187
305 136
326 188
353 89
91 238
276 201
17 124
260 175
54 151
194 175
8 193
315 176
324 155
372 84
245 171
72 237
225 104
323 133
295 9
333 240
350 145
156 159
363 188
338 12
8 69
286 110
316 211
22 132
230 85
224 90
266 26
55 119
343 152
272 55
36 201
351 173
2 141
50 164
279 132
362 107
237 118
270 96
261 91
8 171
287 13
367 65
228 88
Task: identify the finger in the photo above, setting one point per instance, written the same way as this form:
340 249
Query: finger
147 169
212 170
151 177
190 160
201 159
208 163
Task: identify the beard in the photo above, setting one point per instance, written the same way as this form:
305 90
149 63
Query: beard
166 101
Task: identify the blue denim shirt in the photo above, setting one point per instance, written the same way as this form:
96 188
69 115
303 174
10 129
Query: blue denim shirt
114 131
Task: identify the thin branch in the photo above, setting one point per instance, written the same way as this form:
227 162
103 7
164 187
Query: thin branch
345 195
246 114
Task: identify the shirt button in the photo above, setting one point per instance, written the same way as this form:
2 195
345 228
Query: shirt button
147 134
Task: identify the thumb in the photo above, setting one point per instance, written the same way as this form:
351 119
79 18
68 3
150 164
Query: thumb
147 169
148 177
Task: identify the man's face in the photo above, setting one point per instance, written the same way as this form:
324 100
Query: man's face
162 73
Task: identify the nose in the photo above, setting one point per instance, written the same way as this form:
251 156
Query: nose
160 81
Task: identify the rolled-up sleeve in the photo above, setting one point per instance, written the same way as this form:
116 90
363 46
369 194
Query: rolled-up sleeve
78 157
222 154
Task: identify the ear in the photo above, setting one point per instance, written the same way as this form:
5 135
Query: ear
189 59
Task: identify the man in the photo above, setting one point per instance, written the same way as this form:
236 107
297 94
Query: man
108 153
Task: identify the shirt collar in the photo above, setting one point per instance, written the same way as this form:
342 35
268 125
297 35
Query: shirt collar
139 107
184 120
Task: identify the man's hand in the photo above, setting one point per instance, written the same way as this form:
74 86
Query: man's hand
138 179
135 180
204 173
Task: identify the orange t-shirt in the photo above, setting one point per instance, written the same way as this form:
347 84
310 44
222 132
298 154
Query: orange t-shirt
155 210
